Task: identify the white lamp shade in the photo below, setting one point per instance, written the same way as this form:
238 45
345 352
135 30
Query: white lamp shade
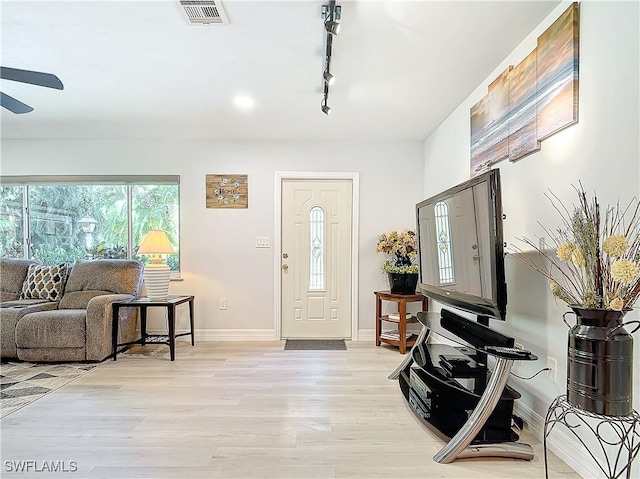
156 242
157 273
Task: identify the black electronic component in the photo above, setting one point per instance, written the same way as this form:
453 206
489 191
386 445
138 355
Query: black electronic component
472 332
508 352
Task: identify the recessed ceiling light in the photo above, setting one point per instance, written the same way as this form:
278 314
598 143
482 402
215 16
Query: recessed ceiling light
244 102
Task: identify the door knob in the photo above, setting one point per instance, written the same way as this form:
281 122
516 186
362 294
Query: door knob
285 267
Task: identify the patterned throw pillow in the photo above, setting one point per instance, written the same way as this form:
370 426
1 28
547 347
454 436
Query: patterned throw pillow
44 282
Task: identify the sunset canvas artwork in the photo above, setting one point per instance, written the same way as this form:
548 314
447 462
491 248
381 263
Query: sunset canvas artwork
522 109
529 102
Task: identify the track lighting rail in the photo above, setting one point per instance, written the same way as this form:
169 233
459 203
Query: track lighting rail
331 13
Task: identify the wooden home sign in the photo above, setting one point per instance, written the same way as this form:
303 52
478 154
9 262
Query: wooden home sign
227 191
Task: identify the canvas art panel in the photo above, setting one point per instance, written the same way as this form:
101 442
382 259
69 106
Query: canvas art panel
522 109
489 125
558 54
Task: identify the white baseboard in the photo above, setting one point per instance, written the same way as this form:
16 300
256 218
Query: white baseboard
364 335
236 335
562 444
227 334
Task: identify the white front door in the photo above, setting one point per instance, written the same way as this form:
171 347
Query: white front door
315 258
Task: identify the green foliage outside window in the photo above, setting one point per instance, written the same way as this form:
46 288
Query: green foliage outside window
57 236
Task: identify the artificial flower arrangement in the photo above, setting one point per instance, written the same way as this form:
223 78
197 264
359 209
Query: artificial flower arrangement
596 261
402 248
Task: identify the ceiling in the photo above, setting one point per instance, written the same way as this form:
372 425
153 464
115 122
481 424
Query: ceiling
137 70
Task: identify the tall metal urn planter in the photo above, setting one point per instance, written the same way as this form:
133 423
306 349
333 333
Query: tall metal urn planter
600 362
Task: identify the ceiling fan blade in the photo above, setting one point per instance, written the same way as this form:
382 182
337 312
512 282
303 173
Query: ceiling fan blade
13 105
48 80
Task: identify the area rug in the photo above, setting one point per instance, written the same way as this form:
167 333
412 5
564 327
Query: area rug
150 350
21 382
315 345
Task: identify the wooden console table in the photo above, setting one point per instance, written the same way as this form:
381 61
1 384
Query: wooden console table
402 299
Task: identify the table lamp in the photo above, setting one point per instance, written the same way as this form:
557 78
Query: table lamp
157 273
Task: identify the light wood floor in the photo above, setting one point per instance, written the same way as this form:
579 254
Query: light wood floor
242 410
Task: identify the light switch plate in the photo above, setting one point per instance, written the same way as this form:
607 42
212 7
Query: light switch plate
262 242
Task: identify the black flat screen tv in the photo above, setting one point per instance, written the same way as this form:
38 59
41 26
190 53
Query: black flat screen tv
461 248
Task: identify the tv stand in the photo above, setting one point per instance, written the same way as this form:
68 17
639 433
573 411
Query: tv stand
456 395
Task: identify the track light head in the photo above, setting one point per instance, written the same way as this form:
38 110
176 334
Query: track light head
332 27
329 79
326 109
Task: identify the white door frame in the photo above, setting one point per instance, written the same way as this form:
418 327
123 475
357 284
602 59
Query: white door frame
277 240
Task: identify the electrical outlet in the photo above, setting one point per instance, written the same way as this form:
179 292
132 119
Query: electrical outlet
542 243
552 364
223 303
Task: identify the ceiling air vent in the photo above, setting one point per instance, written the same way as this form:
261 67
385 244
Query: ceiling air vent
203 12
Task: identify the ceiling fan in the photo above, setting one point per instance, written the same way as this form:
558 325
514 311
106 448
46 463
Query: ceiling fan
48 80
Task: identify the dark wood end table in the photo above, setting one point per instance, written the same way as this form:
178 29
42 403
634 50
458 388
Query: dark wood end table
143 303
402 299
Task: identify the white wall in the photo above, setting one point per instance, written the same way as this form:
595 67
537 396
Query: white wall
218 253
602 151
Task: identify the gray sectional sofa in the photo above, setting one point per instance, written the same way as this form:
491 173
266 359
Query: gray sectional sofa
56 313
